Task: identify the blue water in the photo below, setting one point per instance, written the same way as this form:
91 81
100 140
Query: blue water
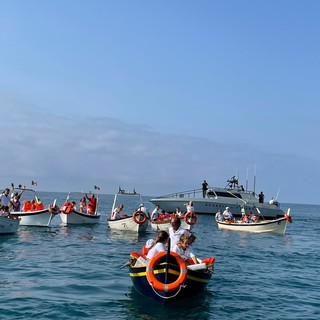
75 272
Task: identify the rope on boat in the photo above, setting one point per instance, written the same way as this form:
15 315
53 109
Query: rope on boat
159 295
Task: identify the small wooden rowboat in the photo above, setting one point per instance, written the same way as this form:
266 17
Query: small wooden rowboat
135 222
72 214
187 222
277 226
167 277
34 212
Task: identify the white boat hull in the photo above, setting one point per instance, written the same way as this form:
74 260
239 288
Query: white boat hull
8 225
41 218
127 224
277 226
76 217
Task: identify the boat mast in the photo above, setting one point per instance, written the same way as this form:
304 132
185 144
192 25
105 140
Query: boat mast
254 179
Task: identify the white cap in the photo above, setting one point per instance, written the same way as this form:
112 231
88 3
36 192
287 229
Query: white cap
141 205
227 208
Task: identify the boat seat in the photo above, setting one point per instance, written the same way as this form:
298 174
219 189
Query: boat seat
198 266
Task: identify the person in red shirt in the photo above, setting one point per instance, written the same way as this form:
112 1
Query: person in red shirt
92 204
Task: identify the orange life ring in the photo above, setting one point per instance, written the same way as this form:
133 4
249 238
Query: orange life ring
53 209
67 207
288 218
137 214
190 218
160 286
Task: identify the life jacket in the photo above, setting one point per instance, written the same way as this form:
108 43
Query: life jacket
27 206
39 206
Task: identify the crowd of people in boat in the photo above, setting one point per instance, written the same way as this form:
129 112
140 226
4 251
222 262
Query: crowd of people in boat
85 207
11 202
227 216
156 215
180 242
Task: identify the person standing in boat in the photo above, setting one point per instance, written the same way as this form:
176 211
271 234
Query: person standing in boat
189 206
92 204
227 215
15 203
178 213
175 231
4 198
155 213
204 188
261 197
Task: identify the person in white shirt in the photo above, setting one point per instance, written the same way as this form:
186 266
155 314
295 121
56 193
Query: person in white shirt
184 250
159 244
5 198
155 213
144 209
175 231
189 206
219 216
179 214
227 215
116 214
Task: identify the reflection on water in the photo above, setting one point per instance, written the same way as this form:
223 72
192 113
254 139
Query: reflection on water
135 307
116 235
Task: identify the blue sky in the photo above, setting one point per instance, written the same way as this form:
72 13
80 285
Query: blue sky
159 95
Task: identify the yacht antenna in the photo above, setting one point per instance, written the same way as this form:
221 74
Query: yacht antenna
254 179
277 194
247 180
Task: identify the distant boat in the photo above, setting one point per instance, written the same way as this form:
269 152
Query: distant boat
277 226
232 196
34 212
187 222
71 212
135 221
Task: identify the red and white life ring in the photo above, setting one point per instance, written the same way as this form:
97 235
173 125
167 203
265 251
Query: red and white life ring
190 218
166 287
137 217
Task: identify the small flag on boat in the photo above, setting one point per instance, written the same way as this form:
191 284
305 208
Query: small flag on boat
96 188
34 183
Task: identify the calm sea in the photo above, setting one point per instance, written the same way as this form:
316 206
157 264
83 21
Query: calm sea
75 272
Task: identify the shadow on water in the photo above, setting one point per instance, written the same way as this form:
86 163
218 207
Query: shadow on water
140 307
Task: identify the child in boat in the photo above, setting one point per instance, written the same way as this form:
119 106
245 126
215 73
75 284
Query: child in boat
159 244
83 205
184 249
